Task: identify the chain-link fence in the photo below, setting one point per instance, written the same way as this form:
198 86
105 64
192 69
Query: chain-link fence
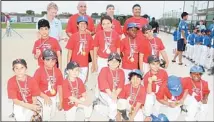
198 10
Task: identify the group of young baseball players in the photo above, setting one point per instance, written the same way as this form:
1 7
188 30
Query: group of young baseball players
130 81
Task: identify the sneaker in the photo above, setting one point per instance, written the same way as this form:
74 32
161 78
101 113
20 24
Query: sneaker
173 61
111 120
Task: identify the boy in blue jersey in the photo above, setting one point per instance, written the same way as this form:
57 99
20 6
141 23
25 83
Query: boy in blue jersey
175 39
191 42
211 28
205 47
198 40
182 37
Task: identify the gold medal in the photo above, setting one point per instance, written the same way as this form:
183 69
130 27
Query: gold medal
108 51
52 91
132 59
154 78
83 53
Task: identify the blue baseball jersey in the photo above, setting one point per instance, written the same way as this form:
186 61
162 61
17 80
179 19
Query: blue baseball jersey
206 40
211 28
175 35
191 38
182 26
198 39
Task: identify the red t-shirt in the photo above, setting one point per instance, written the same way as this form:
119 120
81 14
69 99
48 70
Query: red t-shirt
42 78
72 24
115 25
138 46
75 44
67 92
51 43
162 77
139 21
31 89
164 91
99 41
105 79
141 96
156 46
198 92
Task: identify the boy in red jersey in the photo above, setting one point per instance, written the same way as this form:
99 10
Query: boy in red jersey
196 103
23 90
49 79
105 42
133 97
74 94
46 42
79 46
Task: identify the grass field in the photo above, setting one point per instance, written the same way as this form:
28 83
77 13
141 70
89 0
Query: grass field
25 25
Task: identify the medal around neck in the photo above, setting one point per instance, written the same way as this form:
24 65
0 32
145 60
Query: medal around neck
108 51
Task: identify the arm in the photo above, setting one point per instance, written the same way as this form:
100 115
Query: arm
118 91
69 56
108 91
136 109
23 104
141 62
95 57
165 57
149 88
184 96
183 35
59 56
59 88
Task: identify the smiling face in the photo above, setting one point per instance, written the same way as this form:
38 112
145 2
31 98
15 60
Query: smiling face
110 11
106 24
195 76
19 70
154 66
135 81
49 63
132 32
52 12
82 26
113 64
136 11
73 73
82 8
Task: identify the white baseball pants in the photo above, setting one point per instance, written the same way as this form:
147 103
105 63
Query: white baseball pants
204 54
21 113
83 74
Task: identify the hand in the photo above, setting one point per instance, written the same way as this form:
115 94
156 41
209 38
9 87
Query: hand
154 78
114 96
92 68
204 101
47 101
166 65
95 67
172 104
185 41
181 102
88 31
59 106
35 108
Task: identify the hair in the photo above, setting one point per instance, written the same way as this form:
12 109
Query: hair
52 5
136 5
106 17
131 74
108 6
153 18
19 61
184 14
43 23
82 21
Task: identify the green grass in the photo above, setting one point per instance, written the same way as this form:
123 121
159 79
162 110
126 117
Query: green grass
25 25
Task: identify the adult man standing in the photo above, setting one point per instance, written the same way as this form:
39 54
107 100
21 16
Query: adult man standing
140 21
72 22
55 24
155 26
211 28
182 37
115 23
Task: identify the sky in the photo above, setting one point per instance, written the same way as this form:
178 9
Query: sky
152 8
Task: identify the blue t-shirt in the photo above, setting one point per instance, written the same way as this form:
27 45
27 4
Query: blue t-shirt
182 26
175 35
198 39
206 40
211 28
191 38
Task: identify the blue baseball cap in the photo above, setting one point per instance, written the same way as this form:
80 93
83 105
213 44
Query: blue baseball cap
197 69
202 30
132 25
174 85
160 118
137 71
82 19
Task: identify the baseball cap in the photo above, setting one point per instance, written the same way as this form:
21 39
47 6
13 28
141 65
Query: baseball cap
109 5
132 25
207 30
197 69
174 85
159 118
202 30
114 56
49 54
19 61
135 72
146 28
72 65
82 19
153 58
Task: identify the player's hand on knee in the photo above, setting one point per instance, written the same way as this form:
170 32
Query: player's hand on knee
35 108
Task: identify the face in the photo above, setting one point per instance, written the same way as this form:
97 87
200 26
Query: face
82 8
148 33
154 66
52 12
110 11
195 31
195 76
136 11
19 70
106 24
49 63
74 72
113 64
135 81
185 17
201 23
132 32
44 32
82 26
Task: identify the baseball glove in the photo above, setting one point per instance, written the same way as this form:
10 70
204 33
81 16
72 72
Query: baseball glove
162 63
37 116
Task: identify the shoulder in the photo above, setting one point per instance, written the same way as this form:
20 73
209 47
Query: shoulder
12 80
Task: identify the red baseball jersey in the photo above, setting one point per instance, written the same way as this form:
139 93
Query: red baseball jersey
50 43
162 77
137 47
76 88
201 88
72 24
112 40
44 81
164 91
107 76
141 96
115 25
31 89
78 45
139 21
156 46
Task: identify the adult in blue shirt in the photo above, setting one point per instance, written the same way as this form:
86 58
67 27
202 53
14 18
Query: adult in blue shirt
182 37
211 28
